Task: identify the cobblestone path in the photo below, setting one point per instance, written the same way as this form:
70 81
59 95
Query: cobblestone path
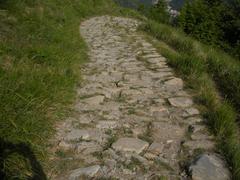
132 118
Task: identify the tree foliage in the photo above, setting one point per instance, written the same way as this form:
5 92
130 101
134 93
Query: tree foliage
215 22
159 12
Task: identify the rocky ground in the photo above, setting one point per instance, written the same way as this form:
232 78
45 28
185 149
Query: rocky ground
132 118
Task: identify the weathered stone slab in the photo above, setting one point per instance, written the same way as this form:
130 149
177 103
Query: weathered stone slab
77 134
87 148
86 119
209 167
159 111
130 144
190 112
194 120
152 56
155 148
181 102
88 171
174 84
66 146
205 144
107 124
96 100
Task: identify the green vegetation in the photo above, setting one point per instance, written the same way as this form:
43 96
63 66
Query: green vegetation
40 54
206 71
159 12
214 22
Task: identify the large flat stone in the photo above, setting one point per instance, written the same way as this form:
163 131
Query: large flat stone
209 167
190 112
180 102
96 100
205 144
87 148
88 171
107 124
174 84
159 111
155 148
166 131
130 144
77 134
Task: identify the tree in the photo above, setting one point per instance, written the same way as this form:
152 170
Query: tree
200 18
215 22
159 12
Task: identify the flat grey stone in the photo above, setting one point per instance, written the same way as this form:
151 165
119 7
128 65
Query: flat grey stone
66 146
141 159
201 144
107 124
180 102
88 171
155 60
152 56
194 120
190 112
110 163
160 74
159 111
87 148
155 148
96 100
130 144
174 84
201 136
85 119
209 167
77 134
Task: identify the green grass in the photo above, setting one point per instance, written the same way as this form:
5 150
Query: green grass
40 54
214 79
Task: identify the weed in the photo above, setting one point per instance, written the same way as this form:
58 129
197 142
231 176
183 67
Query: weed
109 142
131 111
60 153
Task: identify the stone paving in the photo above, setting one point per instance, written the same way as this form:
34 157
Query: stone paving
132 118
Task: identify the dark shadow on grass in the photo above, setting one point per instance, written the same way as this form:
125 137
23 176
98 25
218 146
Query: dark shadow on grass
7 148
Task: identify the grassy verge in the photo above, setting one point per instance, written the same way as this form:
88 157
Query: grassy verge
206 71
40 55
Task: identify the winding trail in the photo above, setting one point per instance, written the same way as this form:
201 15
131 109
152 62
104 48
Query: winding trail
132 118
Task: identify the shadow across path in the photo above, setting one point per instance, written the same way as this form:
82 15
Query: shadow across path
7 148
